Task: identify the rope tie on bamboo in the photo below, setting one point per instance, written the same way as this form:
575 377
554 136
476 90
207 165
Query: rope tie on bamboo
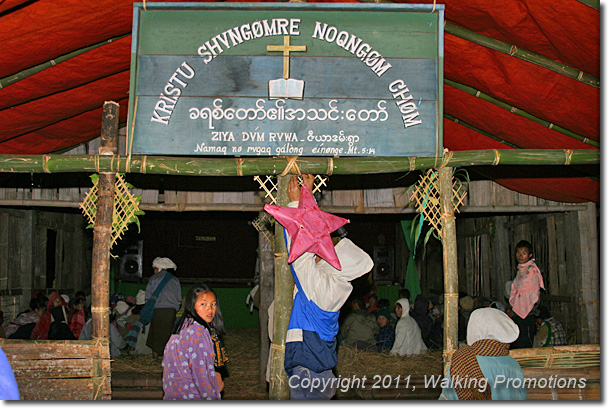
99 341
291 166
585 140
95 309
478 93
280 255
96 161
118 159
447 155
143 164
513 109
569 153
551 126
331 166
45 159
449 352
412 163
451 295
239 170
447 216
497 157
278 347
513 50
580 75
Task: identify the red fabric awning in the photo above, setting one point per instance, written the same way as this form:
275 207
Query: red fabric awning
59 105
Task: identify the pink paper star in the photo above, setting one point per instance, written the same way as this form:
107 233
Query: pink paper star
309 228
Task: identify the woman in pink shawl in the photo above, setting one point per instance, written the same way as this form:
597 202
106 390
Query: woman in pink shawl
41 330
525 293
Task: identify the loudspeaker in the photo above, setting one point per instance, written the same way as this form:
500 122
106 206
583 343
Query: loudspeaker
383 271
130 262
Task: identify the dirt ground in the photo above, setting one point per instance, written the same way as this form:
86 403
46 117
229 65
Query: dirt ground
243 347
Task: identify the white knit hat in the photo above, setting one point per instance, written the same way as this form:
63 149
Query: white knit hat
141 297
164 263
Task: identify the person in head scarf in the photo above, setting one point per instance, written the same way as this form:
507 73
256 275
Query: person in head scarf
483 369
168 299
421 306
41 330
408 335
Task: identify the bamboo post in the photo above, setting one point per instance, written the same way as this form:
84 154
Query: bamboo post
450 321
102 231
265 280
284 286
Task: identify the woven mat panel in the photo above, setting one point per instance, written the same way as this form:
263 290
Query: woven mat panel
269 185
427 197
126 207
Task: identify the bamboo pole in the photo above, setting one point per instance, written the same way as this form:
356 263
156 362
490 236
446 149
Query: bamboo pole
333 209
13 78
284 286
450 321
465 124
102 231
525 55
520 112
206 166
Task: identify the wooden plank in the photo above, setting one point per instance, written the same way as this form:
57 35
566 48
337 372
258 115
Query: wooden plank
53 369
150 196
378 197
402 196
574 275
163 30
589 239
33 388
347 197
48 350
552 270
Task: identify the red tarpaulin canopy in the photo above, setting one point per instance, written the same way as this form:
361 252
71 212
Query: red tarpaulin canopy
54 81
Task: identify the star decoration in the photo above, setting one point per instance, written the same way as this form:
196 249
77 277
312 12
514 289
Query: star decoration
309 228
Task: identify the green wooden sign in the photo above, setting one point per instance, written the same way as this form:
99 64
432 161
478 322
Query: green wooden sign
295 79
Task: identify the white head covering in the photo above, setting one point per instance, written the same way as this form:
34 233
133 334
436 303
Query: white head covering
66 298
141 297
121 307
404 303
491 323
164 263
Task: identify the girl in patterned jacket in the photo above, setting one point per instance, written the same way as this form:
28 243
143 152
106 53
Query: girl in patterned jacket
189 357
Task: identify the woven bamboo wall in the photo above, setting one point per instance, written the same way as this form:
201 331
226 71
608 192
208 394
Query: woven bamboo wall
61 369
486 259
23 255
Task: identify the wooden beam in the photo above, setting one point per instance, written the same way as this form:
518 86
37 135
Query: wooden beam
102 230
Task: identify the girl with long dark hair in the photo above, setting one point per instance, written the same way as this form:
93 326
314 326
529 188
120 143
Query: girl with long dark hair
189 359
